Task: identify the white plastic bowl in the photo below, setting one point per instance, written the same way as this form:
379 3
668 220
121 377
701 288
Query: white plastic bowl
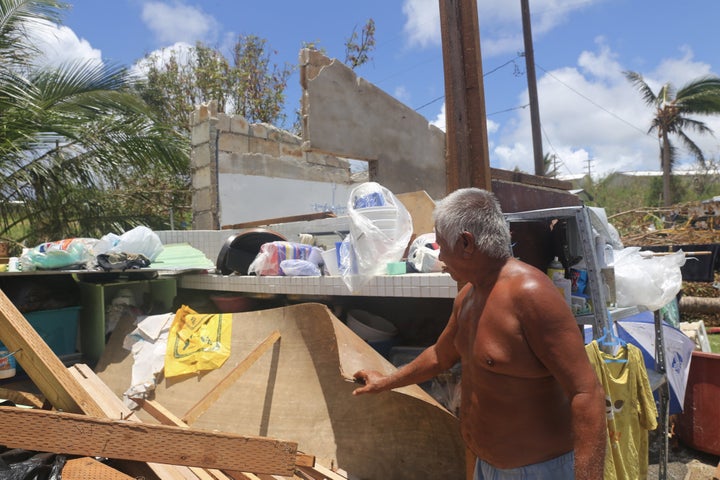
378 213
369 327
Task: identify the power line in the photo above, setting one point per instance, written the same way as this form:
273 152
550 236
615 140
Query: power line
592 101
512 60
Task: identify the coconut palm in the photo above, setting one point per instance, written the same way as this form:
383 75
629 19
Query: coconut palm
673 107
78 149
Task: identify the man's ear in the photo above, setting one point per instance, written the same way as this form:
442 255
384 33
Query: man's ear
468 240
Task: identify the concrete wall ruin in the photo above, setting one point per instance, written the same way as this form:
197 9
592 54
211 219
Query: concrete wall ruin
345 115
243 172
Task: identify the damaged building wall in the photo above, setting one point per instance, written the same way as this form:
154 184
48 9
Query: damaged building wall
345 115
244 172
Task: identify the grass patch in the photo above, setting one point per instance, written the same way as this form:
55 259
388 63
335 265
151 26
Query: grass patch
714 340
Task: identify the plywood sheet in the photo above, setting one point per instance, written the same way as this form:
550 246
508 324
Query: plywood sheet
298 392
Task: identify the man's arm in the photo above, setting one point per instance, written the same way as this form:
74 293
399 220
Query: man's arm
553 334
432 361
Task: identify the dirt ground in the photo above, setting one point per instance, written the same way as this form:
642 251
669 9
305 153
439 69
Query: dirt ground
684 463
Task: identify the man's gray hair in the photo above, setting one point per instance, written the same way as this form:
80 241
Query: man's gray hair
476 211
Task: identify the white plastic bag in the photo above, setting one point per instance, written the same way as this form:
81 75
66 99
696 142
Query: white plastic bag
423 254
140 239
645 280
380 229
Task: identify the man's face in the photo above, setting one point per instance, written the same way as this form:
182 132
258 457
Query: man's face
449 254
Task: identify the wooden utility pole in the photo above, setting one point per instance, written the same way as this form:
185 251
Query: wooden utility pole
532 90
467 158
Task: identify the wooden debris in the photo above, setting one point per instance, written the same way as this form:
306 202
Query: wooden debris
86 468
24 398
76 434
41 364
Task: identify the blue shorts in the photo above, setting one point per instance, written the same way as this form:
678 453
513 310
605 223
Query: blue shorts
558 468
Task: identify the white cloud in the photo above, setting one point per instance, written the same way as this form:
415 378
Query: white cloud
500 22
423 22
177 22
592 116
60 44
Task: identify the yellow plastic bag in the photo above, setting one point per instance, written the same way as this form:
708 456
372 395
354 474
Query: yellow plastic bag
197 341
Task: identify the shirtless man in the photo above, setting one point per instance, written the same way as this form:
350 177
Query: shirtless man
531 402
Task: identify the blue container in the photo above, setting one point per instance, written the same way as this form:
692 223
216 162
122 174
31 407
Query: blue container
58 328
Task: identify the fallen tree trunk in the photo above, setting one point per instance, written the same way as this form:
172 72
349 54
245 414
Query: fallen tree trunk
699 304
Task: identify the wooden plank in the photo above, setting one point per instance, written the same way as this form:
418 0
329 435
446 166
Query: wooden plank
115 408
23 398
41 364
166 417
86 468
321 472
97 437
201 406
273 221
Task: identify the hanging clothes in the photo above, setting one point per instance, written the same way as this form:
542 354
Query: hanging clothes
630 410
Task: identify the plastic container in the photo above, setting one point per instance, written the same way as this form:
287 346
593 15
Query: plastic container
396 268
228 303
8 365
330 259
555 267
370 327
58 328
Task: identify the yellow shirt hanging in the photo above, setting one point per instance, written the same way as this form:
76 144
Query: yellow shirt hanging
630 410
197 341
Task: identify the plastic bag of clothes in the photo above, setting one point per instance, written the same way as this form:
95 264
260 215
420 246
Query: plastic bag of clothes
271 256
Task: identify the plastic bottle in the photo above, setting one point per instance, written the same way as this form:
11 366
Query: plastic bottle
555 267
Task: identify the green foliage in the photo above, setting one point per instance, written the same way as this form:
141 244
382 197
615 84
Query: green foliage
247 84
74 139
359 46
673 110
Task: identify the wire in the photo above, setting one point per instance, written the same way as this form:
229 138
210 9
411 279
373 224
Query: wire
592 101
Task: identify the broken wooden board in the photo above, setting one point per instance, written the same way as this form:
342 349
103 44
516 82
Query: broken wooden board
420 206
298 390
86 468
75 434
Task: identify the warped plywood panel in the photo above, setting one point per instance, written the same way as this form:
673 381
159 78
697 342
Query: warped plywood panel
299 391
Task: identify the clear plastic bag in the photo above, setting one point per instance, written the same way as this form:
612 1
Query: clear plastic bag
646 280
140 239
70 252
380 229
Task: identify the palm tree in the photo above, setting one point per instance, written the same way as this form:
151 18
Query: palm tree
673 107
74 141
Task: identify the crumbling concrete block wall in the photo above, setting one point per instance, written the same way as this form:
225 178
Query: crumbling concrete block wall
345 115
244 172
203 168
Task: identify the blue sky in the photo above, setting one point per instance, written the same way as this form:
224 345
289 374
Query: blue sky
591 116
